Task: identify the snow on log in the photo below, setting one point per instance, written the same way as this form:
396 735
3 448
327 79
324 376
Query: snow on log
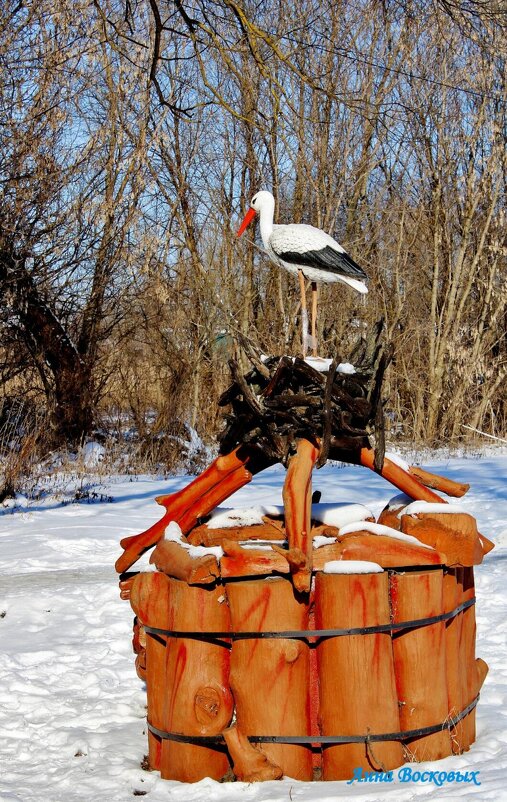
174 560
380 529
351 567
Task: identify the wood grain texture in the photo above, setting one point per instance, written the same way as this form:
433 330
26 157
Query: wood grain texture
297 499
150 600
420 661
455 534
270 678
356 674
198 700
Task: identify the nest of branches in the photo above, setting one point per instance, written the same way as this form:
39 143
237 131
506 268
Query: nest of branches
281 399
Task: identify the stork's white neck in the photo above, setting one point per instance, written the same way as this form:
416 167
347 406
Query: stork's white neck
266 213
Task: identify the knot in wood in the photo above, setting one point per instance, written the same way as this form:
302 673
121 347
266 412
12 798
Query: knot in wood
206 704
292 650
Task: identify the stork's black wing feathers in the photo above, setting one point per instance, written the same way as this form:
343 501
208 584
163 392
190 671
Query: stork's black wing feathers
326 258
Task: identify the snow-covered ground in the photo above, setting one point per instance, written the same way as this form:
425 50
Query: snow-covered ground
72 710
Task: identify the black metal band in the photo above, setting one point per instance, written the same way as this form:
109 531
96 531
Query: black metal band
224 638
308 740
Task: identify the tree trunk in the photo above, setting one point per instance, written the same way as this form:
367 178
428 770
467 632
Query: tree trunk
64 373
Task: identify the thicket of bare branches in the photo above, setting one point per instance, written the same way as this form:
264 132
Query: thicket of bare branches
133 134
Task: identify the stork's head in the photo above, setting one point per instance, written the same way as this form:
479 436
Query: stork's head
260 202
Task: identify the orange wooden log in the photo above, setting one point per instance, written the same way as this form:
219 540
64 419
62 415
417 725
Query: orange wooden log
239 562
455 534
356 674
198 698
297 499
249 764
141 661
399 478
270 677
441 483
149 598
386 551
178 503
295 557
174 560
467 655
474 670
453 588
314 697
328 531
136 545
270 529
215 495
419 660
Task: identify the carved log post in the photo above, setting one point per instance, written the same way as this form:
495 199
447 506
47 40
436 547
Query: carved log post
270 677
198 699
474 670
453 587
297 499
149 598
420 662
356 673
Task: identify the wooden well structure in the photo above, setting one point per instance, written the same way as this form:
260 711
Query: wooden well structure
292 647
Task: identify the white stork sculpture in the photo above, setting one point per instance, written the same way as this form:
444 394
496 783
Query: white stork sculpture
305 251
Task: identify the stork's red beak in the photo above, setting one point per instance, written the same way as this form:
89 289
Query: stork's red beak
249 216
